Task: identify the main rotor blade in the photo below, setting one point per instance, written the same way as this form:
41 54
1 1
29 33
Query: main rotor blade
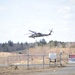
32 31
27 33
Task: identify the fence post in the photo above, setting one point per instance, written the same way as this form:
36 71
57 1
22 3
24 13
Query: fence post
8 60
60 58
43 62
27 61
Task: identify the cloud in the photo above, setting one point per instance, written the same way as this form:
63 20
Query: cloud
72 1
3 8
64 10
66 16
67 29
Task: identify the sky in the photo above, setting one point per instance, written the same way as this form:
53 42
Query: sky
17 17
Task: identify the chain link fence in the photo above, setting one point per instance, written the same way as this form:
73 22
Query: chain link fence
38 60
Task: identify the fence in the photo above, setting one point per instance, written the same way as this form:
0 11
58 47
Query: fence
33 60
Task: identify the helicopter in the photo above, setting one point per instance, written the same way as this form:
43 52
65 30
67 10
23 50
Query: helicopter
37 34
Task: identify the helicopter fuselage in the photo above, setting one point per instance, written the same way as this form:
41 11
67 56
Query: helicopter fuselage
38 35
35 34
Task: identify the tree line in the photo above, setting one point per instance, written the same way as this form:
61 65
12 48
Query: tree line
10 46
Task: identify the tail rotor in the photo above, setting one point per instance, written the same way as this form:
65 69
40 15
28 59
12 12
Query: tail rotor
50 31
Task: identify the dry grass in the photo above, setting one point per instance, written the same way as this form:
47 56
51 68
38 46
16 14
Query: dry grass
37 59
6 54
47 50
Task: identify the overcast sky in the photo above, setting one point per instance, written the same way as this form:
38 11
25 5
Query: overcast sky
17 17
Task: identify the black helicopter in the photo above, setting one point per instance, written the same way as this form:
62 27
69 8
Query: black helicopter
35 34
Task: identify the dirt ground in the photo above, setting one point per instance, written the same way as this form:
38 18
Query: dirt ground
21 70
